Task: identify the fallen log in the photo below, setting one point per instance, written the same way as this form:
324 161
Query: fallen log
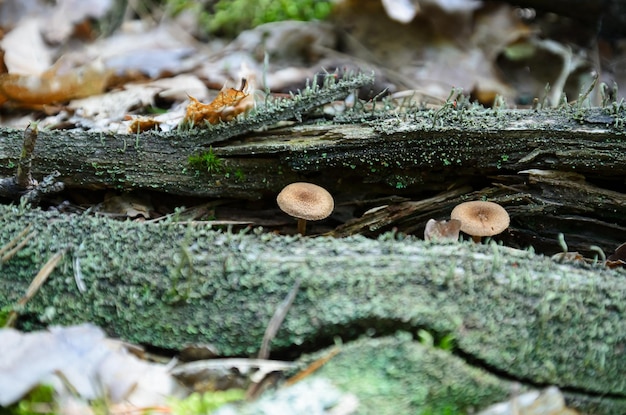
511 312
366 155
378 152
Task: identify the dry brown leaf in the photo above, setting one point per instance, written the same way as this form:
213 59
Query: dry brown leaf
442 229
129 205
226 106
618 258
142 124
52 87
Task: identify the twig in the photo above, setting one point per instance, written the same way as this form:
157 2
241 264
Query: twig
312 368
276 321
22 185
11 248
34 286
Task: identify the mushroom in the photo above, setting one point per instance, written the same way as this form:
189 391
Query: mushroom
305 201
479 218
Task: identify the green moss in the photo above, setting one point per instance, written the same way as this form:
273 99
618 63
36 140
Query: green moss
208 162
439 383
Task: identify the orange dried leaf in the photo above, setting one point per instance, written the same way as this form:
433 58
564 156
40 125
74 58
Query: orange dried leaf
50 87
226 106
141 124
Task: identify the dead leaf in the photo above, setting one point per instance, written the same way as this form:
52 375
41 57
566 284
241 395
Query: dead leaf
84 358
550 401
618 258
51 87
568 257
129 205
32 60
442 229
67 14
402 11
226 106
142 124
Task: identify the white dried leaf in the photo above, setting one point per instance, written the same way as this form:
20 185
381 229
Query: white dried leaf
25 52
66 13
455 6
84 357
402 11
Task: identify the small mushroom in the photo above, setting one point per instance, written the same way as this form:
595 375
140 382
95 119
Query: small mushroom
305 201
479 218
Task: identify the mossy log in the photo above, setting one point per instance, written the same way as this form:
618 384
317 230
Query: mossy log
371 154
515 314
420 150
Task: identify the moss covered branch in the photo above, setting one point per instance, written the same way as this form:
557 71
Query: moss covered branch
171 284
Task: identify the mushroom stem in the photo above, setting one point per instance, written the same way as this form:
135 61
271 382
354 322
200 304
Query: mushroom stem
476 239
301 226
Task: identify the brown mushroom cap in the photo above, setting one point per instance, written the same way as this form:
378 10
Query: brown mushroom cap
481 218
306 201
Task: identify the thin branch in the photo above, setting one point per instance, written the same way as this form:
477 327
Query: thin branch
276 321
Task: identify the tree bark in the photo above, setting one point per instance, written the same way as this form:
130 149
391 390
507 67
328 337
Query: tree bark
421 150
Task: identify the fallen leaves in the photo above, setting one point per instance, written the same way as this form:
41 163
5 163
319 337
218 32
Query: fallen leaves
442 230
82 357
226 106
52 86
550 401
618 258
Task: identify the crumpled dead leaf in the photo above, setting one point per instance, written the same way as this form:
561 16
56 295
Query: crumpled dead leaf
86 359
226 106
618 258
439 230
53 86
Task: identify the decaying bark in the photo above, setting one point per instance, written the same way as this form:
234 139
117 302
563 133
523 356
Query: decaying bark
420 150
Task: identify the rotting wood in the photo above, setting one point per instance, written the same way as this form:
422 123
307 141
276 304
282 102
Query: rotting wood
389 155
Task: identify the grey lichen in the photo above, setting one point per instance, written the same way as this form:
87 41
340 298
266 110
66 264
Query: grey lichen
521 314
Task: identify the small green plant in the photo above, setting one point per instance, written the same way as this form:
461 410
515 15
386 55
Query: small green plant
39 401
231 17
239 175
446 342
5 313
204 403
208 161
